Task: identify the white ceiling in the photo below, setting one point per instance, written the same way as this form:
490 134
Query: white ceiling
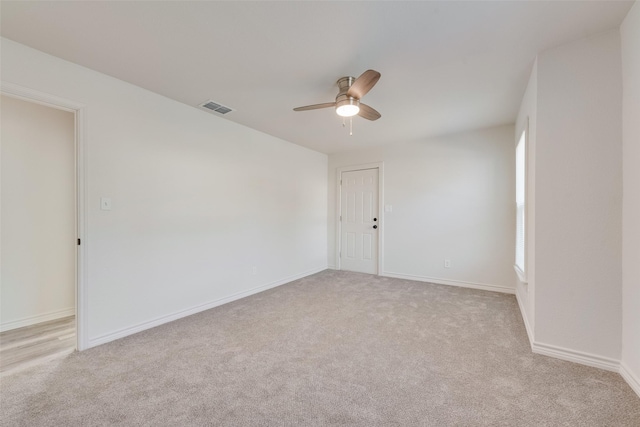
446 66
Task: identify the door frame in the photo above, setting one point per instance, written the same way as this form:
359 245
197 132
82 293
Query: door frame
380 167
79 112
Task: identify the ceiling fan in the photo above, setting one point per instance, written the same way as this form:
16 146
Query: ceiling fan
351 90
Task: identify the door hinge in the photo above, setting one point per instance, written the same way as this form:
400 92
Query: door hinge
340 217
78 242
340 182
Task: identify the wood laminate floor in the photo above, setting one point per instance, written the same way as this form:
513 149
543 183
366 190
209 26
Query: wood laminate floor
31 345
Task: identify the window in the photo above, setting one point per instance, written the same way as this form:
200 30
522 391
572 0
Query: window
521 162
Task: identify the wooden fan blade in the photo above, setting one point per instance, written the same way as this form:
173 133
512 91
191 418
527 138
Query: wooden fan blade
363 84
315 106
368 112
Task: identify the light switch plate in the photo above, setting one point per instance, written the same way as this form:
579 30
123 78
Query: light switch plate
105 203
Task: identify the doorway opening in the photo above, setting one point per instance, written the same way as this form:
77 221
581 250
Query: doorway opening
41 227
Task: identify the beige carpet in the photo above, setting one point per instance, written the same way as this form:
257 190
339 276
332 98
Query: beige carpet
335 348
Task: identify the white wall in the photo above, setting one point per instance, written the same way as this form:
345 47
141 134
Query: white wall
38 232
527 118
578 206
453 198
198 201
630 35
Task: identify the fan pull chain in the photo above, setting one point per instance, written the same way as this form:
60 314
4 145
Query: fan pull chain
344 124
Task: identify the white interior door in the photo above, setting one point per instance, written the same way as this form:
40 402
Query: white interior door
359 221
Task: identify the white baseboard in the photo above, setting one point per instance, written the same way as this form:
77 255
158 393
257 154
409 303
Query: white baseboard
462 284
121 333
575 356
525 319
578 356
331 266
630 378
32 320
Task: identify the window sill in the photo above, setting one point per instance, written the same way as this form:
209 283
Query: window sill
521 276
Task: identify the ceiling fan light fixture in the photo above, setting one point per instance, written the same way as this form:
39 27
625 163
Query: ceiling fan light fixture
347 110
350 92
347 106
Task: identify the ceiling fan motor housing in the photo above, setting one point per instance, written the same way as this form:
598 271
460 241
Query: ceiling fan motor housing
343 99
345 83
346 100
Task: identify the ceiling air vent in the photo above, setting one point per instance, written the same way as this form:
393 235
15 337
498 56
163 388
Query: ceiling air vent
216 107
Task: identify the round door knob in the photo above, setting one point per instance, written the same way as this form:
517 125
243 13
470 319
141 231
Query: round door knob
375 226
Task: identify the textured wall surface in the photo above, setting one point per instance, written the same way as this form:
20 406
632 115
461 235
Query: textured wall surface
452 198
630 32
202 208
579 197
